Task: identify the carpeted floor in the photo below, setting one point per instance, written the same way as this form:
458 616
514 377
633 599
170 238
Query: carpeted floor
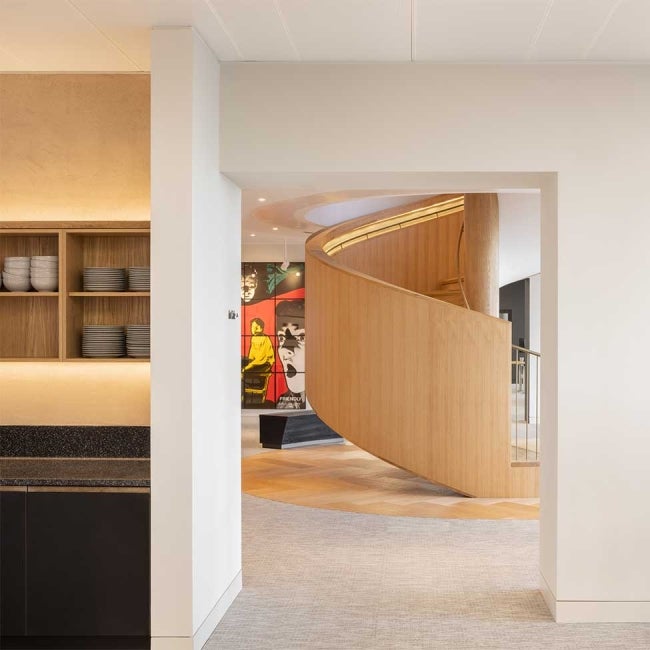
337 580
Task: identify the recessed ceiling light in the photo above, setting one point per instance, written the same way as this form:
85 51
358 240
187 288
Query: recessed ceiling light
261 199
252 234
274 228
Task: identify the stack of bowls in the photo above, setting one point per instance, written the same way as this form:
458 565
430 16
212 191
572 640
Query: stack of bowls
103 341
138 341
104 279
45 272
16 274
139 278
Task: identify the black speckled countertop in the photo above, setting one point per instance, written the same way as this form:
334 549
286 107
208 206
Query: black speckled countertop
74 441
75 472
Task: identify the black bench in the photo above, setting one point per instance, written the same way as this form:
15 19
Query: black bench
282 430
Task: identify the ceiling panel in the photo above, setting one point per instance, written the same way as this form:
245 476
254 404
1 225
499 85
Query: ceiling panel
476 30
114 35
569 29
626 37
128 23
349 30
208 22
257 28
51 35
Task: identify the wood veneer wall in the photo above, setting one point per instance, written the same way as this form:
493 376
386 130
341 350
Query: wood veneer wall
416 258
72 148
418 382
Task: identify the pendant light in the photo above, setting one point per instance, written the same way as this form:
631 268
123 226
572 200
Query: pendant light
285 264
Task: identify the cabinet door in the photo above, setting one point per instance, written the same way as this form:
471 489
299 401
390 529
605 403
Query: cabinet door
12 563
87 564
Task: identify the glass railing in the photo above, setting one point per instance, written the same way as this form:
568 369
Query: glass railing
525 410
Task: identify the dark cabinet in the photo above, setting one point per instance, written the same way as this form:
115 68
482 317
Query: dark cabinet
12 563
74 564
87 568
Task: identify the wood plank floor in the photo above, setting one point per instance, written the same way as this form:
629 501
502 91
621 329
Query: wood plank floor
344 477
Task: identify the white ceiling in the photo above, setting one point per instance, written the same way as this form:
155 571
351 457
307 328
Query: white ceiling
113 35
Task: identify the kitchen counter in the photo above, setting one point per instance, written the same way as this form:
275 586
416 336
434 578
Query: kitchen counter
75 472
74 441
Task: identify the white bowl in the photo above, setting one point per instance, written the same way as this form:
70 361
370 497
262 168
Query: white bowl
48 279
16 285
44 265
42 284
20 274
46 258
54 272
16 266
17 260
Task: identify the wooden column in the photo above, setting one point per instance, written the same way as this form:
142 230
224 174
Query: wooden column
482 252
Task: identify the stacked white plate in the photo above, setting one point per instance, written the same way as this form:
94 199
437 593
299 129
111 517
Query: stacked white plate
16 274
138 341
139 278
44 272
104 279
103 341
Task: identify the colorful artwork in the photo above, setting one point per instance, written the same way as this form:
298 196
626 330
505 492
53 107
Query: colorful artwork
273 335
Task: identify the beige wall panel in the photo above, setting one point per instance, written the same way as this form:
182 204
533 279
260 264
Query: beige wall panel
74 393
74 147
418 382
417 258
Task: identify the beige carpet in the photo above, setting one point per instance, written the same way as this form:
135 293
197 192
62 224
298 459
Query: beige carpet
328 580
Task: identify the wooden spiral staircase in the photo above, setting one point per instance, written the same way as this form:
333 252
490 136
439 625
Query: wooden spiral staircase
397 365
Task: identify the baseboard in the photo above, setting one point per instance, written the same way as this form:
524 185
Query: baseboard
598 611
595 611
206 628
212 619
74 642
171 643
549 596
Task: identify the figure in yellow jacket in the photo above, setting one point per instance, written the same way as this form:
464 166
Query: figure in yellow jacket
260 354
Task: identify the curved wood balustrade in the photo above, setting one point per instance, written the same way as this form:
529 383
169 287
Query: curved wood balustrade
418 382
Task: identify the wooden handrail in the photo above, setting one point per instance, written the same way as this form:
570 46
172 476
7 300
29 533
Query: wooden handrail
460 277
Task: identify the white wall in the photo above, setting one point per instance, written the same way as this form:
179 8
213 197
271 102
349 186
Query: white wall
519 236
585 125
216 425
195 427
271 252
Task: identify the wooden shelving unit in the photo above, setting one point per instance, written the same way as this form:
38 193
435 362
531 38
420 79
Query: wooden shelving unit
47 326
109 294
28 294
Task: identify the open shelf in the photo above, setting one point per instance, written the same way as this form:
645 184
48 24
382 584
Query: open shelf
51 329
109 294
28 294
30 328
110 360
107 248
30 359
